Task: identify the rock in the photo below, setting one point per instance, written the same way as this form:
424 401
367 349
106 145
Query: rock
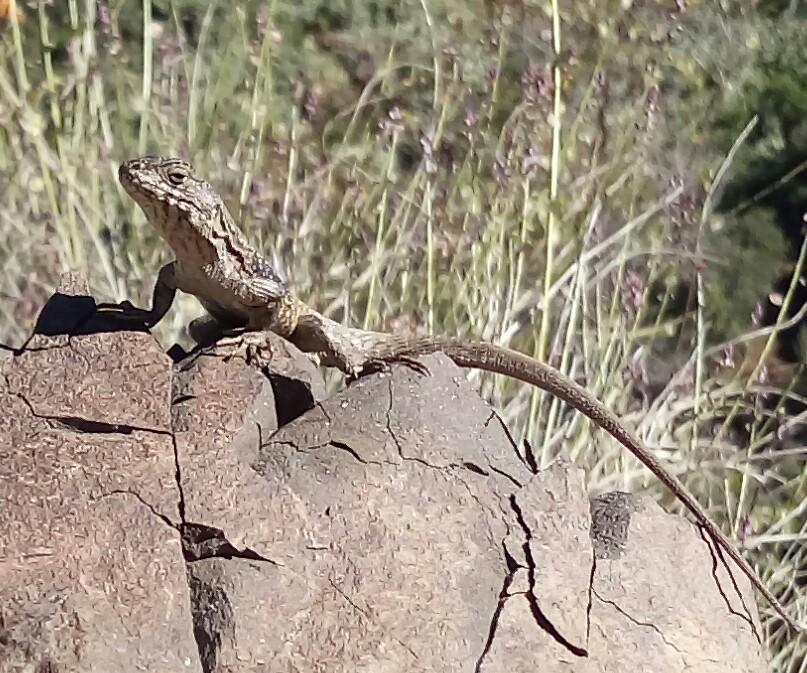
92 576
663 593
213 515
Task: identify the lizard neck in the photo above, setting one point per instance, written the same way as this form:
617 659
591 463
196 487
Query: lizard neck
231 248
209 238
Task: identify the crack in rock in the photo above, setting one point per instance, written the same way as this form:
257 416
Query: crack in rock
84 425
472 467
365 615
716 553
200 542
528 457
637 622
448 468
590 605
504 596
342 446
213 619
128 492
507 476
538 614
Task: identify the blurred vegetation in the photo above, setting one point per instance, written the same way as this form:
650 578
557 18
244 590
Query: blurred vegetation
764 204
413 166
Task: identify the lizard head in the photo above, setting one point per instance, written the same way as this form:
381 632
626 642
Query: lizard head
174 200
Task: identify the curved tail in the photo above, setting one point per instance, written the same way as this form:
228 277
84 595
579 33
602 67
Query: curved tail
501 360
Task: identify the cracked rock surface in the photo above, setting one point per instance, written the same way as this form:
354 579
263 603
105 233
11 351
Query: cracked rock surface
92 576
212 516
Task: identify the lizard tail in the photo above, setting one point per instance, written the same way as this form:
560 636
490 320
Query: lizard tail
351 349
501 360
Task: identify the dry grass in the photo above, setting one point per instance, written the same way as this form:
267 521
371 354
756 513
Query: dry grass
441 180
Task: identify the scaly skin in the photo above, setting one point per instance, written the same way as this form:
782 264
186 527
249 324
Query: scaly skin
240 289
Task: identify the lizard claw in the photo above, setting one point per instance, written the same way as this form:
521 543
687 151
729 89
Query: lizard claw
415 365
251 347
386 365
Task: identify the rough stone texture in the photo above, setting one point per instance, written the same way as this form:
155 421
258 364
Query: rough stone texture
164 522
223 409
414 537
378 525
91 570
670 599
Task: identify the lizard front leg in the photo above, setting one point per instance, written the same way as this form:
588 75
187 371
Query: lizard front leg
162 297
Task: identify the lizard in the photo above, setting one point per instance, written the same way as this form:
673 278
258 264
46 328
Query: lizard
240 290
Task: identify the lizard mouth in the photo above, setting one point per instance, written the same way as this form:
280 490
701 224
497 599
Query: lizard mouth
132 171
126 176
126 173
135 178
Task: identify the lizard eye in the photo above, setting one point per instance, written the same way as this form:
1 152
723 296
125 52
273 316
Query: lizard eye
176 176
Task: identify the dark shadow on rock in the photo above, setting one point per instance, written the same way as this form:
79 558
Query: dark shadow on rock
71 311
213 618
200 542
177 353
610 522
293 397
75 315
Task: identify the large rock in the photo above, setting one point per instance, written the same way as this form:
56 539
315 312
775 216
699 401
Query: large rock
218 516
92 576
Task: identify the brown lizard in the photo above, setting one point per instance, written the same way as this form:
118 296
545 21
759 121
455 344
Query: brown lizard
240 290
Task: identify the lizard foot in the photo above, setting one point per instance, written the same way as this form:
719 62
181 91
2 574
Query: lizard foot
385 365
252 347
413 364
